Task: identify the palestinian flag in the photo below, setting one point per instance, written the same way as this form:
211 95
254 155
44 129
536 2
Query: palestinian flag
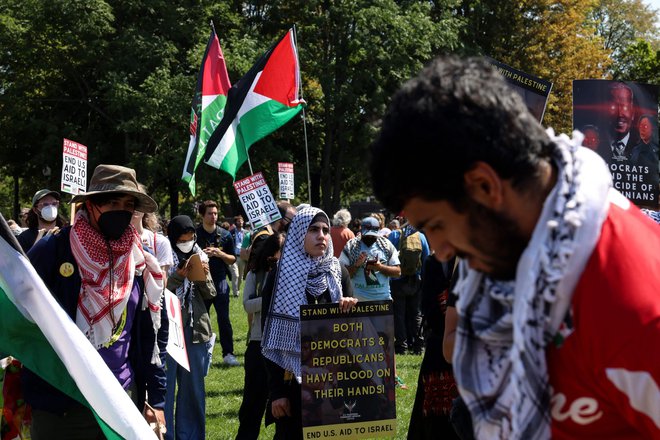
262 101
38 332
208 106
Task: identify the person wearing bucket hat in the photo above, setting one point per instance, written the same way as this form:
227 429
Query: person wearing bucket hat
111 288
42 218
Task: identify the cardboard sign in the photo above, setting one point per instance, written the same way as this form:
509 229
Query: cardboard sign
176 343
348 377
257 200
196 269
74 167
285 171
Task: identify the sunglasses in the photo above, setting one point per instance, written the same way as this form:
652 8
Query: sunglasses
370 228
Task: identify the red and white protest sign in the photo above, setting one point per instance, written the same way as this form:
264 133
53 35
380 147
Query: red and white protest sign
257 200
176 343
74 167
285 171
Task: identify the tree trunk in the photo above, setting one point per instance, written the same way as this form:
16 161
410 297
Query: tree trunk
174 196
16 207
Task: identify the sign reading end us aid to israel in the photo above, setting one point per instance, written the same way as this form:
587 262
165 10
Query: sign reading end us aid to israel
285 171
74 168
257 200
347 366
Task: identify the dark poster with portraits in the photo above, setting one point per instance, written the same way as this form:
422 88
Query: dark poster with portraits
348 389
533 90
619 121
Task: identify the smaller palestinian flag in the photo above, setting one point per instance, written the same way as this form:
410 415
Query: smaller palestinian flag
37 331
208 106
262 101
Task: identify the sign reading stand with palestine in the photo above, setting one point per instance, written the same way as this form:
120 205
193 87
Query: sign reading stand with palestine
74 168
347 360
533 90
257 200
285 170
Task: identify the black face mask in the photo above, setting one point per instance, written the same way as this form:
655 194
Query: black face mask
113 223
369 239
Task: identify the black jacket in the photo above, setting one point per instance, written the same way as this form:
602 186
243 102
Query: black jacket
47 256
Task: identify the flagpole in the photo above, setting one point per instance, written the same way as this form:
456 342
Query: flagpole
309 180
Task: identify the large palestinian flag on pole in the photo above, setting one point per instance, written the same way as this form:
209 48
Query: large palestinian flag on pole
262 101
38 332
207 106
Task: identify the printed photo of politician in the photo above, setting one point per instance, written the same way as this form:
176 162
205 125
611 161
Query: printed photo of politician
619 121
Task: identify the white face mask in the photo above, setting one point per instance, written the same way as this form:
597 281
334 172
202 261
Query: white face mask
49 213
186 246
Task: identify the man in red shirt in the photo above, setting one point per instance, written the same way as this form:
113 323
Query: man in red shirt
558 304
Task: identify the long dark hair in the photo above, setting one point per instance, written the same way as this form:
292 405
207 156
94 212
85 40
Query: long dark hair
264 253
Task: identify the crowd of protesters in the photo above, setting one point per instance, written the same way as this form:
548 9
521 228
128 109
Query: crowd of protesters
494 268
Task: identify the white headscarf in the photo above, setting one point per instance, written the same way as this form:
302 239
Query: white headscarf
297 273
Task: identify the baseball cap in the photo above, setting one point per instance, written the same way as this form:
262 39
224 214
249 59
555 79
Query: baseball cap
370 226
43 193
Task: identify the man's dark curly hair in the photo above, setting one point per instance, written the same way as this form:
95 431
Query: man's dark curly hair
455 113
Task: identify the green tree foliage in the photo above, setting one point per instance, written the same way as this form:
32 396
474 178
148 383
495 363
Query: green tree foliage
553 40
638 62
119 77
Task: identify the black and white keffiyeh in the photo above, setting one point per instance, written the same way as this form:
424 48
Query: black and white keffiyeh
499 356
297 273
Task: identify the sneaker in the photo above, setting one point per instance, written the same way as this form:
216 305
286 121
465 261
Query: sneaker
231 360
400 383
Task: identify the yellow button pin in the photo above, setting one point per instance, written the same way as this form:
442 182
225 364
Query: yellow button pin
66 269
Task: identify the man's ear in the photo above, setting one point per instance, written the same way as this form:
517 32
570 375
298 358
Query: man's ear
484 185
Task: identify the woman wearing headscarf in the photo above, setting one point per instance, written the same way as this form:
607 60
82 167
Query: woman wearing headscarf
190 419
308 273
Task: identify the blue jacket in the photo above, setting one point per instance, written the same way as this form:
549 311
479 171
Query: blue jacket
47 256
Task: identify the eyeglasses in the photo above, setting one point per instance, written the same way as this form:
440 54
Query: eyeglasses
44 204
287 220
370 228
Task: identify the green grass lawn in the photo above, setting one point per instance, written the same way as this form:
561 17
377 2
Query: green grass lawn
224 385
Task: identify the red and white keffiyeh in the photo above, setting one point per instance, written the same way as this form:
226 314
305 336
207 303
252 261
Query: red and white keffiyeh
107 270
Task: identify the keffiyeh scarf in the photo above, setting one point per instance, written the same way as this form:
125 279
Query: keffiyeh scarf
107 270
504 327
297 273
353 248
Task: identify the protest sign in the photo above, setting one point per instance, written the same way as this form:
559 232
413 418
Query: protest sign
176 344
347 359
285 171
257 200
74 168
533 90
619 122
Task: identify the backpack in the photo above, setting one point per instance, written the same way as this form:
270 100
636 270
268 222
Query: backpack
410 254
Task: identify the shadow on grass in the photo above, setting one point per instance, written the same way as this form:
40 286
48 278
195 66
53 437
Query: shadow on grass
214 393
223 415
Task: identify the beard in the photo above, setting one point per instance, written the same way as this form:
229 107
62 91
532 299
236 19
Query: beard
498 238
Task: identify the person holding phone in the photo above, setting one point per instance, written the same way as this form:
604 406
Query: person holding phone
371 261
190 418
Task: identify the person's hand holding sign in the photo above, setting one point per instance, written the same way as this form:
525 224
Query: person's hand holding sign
346 304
